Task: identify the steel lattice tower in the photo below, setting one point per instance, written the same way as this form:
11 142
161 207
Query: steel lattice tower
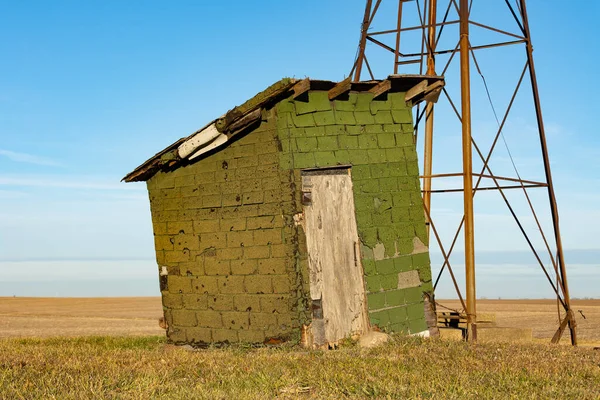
433 39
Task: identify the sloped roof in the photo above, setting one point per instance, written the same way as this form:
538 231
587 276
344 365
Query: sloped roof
239 119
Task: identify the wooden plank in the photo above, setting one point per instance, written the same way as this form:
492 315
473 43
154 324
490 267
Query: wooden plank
245 121
200 139
340 88
416 90
219 141
381 88
335 270
301 87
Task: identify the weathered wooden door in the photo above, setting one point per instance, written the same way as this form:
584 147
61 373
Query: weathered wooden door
336 273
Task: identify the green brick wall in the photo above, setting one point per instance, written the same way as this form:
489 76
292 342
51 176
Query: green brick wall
375 137
224 234
234 266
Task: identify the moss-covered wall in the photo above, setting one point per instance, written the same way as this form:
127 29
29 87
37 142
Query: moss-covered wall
233 264
227 244
375 137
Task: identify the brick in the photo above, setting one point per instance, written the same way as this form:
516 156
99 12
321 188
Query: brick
386 140
387 185
258 284
240 239
246 302
216 266
172 300
389 282
376 300
386 266
176 227
383 117
274 304
272 266
403 116
323 118
398 315
251 336
243 267
209 319
262 320
184 241
325 158
380 319
225 336
220 302
304 120
373 283
413 295
354 129
377 155
184 318
194 301
199 335
303 160
306 144
281 284
267 236
179 284
394 298
363 102
317 130
367 142
205 284
254 252
206 226
244 150
231 284
236 320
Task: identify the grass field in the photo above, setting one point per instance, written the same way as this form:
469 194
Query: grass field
144 368
48 351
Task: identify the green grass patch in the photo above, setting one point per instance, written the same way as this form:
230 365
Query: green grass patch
141 368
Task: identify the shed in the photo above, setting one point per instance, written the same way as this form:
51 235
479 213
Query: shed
295 216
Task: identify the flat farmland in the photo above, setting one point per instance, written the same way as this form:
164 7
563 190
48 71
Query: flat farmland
138 316
541 316
71 317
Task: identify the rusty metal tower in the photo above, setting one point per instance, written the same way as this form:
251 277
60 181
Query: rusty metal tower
433 37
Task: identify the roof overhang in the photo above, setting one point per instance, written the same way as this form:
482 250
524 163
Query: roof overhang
240 119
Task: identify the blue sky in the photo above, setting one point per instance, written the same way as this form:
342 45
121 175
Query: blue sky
89 90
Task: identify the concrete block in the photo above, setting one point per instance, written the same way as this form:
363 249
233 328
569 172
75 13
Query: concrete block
194 301
304 120
236 320
325 158
323 118
333 130
398 315
179 284
205 284
376 300
274 304
225 335
198 335
303 160
231 284
306 144
408 279
267 236
414 295
251 336
230 253
281 284
394 298
354 129
385 266
373 283
363 101
389 281
262 321
380 319
254 252
258 284
272 266
344 118
364 118
377 155
209 319
367 142
402 116
172 300
184 318
383 117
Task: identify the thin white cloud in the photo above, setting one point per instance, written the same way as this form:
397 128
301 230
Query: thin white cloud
72 182
28 158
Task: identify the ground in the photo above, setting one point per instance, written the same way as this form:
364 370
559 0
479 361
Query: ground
122 354
138 316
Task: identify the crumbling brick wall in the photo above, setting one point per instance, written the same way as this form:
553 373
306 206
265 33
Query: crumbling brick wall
225 246
375 137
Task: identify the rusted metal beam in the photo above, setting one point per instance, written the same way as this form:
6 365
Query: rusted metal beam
548 172
363 42
469 232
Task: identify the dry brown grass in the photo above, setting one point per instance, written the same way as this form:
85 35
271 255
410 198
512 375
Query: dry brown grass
47 317
541 317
